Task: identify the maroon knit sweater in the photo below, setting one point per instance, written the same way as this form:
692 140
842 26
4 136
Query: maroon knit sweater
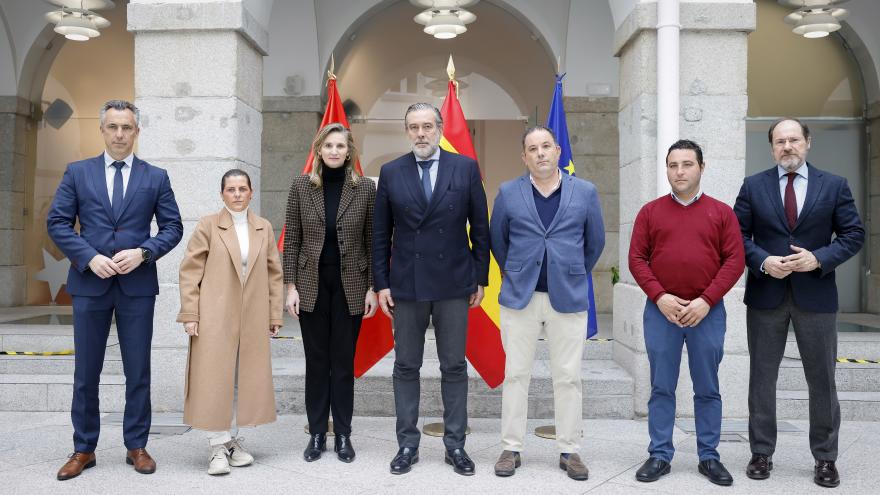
687 251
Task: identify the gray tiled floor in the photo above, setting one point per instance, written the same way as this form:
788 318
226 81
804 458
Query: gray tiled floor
36 444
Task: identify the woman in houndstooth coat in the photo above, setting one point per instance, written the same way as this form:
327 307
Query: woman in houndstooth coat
328 272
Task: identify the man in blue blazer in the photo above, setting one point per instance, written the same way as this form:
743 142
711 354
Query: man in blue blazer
114 198
427 265
546 234
798 224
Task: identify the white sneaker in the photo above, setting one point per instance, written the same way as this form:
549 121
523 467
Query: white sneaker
238 457
218 463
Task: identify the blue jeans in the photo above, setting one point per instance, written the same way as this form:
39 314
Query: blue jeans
705 344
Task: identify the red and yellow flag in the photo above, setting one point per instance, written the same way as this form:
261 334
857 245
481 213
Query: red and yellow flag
484 349
375 339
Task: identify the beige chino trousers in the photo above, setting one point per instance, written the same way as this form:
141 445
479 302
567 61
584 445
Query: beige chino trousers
565 332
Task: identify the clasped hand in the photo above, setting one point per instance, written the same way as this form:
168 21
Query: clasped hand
122 262
683 312
781 266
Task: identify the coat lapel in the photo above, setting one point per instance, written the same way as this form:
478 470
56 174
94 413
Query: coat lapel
230 240
317 195
444 176
814 186
98 178
414 183
771 183
525 187
345 198
566 193
138 170
255 244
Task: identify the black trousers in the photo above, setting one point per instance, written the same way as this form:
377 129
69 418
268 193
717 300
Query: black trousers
329 336
816 335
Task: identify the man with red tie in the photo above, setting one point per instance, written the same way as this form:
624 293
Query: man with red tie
798 224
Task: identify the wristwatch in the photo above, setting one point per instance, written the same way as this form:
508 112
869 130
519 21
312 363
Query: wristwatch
146 254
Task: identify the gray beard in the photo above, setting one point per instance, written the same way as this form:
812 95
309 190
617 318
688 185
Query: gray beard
788 167
430 153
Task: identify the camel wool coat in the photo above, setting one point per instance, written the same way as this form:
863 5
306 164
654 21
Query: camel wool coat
234 312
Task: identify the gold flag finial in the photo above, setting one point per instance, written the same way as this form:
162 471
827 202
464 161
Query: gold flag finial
450 71
330 74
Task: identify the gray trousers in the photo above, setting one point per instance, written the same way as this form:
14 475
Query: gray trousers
450 318
816 335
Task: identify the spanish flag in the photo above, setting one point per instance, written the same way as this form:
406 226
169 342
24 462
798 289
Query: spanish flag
375 339
484 349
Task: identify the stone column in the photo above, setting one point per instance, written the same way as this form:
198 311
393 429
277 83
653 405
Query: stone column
713 107
14 137
592 129
198 83
873 209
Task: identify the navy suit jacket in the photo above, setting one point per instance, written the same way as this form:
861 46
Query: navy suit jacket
82 195
573 242
420 248
828 225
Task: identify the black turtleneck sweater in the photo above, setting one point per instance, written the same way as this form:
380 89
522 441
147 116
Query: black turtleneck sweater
333 180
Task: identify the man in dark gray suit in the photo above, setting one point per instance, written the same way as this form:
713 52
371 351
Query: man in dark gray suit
799 223
426 265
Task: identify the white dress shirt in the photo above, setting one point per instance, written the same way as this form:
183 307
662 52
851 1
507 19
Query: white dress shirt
686 203
800 184
433 169
110 173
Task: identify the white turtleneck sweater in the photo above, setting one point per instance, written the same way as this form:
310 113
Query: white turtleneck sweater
239 219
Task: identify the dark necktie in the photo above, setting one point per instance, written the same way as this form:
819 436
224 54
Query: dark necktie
116 202
790 201
426 177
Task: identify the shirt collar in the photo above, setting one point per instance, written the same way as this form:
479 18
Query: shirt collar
558 181
435 158
687 203
109 161
802 171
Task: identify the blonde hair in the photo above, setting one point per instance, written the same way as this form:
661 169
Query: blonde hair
318 163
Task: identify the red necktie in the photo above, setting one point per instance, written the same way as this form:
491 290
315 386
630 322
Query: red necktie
790 201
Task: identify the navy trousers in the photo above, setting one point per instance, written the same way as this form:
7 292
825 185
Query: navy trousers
705 345
91 326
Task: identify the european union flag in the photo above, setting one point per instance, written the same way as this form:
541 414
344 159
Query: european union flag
556 122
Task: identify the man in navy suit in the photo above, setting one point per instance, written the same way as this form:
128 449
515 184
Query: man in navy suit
547 233
114 197
798 224
424 268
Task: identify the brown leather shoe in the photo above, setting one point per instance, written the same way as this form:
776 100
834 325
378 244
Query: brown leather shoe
574 467
141 460
75 464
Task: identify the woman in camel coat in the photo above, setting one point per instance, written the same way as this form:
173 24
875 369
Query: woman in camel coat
230 305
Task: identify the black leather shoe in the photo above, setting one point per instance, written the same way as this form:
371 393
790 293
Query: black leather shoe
460 462
343 448
826 474
317 445
716 472
652 470
403 461
759 467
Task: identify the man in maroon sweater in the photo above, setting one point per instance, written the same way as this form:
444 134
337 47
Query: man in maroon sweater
686 252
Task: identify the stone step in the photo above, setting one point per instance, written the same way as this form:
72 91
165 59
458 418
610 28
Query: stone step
51 365
290 346
850 377
607 390
46 338
856 345
52 392
854 406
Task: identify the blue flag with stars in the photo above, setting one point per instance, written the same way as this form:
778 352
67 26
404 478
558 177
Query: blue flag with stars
556 122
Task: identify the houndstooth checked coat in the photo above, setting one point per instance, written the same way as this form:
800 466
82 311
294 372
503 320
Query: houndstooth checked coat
304 239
